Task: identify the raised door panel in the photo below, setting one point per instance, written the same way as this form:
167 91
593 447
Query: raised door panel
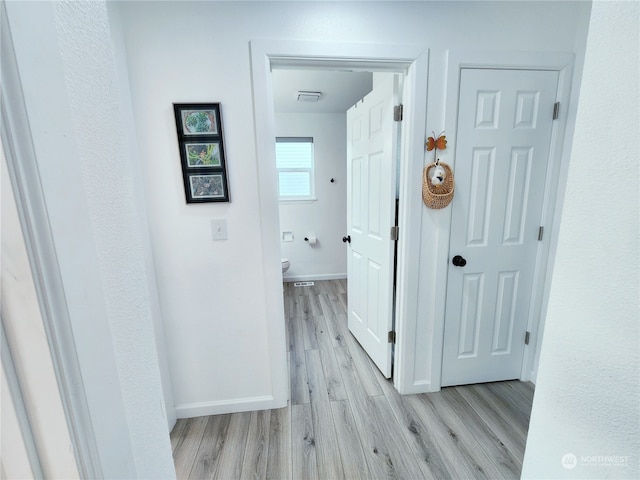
502 153
370 206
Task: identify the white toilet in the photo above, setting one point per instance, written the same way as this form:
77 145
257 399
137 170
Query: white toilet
285 264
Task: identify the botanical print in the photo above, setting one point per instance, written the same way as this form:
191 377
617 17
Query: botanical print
206 186
199 122
203 154
201 147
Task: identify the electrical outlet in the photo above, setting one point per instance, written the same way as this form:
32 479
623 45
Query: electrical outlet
219 228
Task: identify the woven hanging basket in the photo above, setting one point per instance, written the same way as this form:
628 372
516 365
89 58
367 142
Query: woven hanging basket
437 196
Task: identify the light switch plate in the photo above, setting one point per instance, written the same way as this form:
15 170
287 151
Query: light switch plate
219 228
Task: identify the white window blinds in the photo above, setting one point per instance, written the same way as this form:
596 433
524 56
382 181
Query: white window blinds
294 161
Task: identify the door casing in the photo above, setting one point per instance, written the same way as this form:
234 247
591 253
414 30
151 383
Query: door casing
410 60
421 278
24 175
554 189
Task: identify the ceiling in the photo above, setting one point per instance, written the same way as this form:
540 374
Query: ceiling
340 90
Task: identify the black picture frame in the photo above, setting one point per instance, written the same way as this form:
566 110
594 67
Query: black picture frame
202 154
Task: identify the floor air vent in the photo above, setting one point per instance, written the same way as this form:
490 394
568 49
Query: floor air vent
303 284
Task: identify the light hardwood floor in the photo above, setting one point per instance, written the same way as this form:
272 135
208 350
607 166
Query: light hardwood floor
345 421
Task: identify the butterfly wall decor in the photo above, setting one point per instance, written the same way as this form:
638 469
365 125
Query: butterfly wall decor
439 142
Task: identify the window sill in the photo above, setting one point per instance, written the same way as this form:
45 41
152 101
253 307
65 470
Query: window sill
297 200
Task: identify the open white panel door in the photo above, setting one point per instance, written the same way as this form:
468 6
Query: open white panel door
371 185
505 122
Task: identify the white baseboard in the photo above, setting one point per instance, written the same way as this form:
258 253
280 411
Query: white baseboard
201 409
320 276
172 423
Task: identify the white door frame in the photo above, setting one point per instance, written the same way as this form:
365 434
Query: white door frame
16 139
411 60
554 190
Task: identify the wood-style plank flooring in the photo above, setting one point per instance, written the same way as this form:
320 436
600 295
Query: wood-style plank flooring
346 421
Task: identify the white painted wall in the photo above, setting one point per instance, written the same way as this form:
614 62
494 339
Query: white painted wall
214 304
142 210
65 58
213 298
326 217
586 400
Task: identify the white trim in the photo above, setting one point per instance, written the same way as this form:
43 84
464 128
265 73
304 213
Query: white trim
410 222
318 277
268 214
234 405
301 201
417 387
25 178
559 157
17 398
563 63
412 60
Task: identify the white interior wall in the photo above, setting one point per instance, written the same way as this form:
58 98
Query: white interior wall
143 207
174 55
325 218
586 418
182 51
65 60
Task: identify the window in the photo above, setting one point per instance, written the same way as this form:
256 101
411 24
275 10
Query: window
294 161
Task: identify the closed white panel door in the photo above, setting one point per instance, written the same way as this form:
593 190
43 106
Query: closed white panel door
502 150
370 214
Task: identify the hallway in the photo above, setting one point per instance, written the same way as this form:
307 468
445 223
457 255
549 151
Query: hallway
346 421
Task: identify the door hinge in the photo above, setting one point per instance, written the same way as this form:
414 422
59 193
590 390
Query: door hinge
391 337
540 233
397 113
394 233
526 338
556 110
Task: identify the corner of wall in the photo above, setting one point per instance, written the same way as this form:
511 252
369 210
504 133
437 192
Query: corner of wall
585 418
120 53
94 223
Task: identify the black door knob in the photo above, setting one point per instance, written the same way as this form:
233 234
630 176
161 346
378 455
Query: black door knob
347 239
458 261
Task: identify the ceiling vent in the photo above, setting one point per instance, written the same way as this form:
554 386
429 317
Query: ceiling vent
304 96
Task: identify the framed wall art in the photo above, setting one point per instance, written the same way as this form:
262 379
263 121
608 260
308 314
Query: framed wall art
202 157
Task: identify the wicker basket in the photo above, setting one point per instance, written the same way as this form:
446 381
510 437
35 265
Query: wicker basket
437 196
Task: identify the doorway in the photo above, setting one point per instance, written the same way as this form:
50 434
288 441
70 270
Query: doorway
343 220
312 174
410 61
